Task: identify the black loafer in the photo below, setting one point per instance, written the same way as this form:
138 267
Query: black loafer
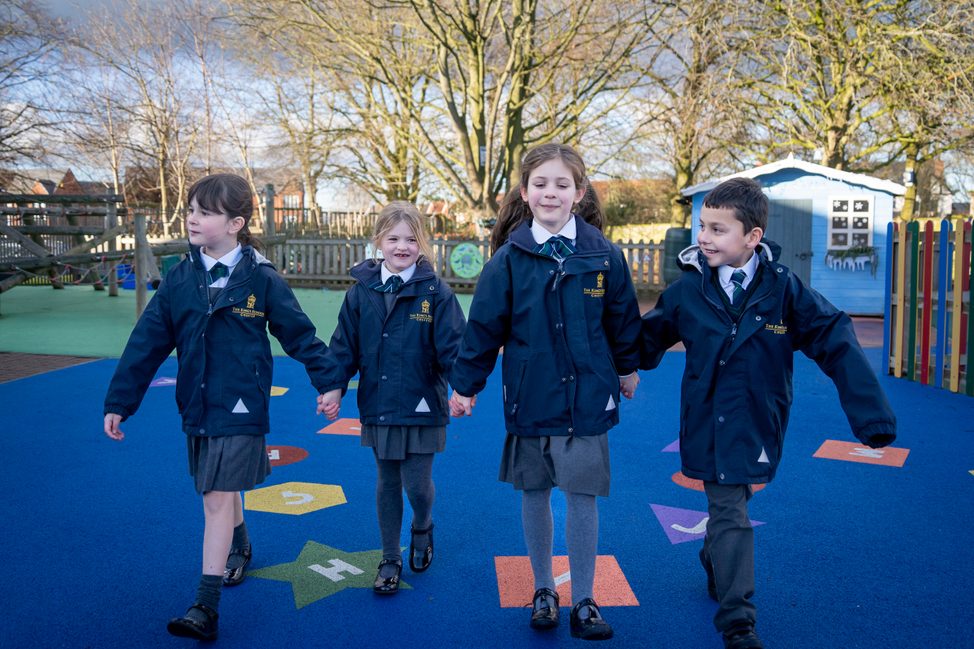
711 580
420 558
544 617
387 585
592 626
742 637
234 575
189 627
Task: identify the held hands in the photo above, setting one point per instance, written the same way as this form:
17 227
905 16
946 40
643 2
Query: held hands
329 403
112 421
627 384
461 405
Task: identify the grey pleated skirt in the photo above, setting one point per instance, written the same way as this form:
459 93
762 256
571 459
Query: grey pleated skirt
230 463
394 442
579 464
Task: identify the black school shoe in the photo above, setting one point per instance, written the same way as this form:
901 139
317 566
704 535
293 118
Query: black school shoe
234 574
592 626
742 637
189 627
387 585
420 558
711 580
544 617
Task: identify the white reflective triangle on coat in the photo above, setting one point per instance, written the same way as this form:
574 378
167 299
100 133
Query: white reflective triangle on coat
423 406
611 405
764 457
240 408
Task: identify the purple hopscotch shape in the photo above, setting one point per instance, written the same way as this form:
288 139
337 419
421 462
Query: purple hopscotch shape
682 525
162 381
672 448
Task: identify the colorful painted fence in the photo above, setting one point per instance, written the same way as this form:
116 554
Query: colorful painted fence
928 302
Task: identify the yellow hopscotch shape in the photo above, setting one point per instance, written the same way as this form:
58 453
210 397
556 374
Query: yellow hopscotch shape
277 390
971 472
294 498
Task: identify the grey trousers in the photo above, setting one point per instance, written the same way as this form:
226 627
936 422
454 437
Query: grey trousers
729 546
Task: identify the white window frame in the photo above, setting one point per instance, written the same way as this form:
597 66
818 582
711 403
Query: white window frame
852 213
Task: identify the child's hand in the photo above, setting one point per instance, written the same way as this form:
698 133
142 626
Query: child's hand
461 405
627 385
112 421
329 403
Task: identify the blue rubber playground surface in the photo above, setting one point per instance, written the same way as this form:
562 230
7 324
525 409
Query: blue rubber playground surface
101 540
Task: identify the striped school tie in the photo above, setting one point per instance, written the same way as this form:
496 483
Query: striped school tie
219 270
557 247
392 285
737 279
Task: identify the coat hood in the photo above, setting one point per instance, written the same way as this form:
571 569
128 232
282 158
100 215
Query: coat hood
689 257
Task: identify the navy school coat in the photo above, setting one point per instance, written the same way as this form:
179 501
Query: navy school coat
224 378
403 356
737 386
569 330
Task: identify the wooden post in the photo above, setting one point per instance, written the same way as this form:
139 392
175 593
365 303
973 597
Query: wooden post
269 210
111 220
139 262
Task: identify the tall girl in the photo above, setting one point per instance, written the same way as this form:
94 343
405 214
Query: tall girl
558 297
400 328
215 308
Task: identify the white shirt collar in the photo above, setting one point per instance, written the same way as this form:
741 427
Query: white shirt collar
229 260
540 234
405 275
750 268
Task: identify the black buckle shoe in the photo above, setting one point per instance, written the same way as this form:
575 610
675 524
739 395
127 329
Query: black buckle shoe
592 626
425 554
543 616
190 627
742 637
711 580
387 585
233 575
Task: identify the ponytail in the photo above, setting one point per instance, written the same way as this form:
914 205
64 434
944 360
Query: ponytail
245 238
513 212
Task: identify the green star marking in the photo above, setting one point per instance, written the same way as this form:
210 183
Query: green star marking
321 571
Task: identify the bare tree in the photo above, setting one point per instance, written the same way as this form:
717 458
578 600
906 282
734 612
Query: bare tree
927 86
28 61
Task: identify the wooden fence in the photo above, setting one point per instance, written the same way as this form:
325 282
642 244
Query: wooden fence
317 262
928 290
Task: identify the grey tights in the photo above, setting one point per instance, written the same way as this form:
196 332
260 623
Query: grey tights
415 475
581 536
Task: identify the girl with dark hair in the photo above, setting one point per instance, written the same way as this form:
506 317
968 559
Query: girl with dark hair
215 308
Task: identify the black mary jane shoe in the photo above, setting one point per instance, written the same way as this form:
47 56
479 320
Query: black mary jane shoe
190 627
234 576
425 554
592 626
543 616
387 585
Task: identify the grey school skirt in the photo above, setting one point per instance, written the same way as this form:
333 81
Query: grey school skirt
230 463
394 442
579 464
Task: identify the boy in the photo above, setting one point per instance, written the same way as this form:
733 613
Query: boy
741 316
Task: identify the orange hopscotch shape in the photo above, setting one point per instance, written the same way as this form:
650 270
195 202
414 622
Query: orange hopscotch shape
856 452
344 426
697 485
515 582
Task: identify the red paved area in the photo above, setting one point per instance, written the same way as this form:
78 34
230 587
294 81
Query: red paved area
15 366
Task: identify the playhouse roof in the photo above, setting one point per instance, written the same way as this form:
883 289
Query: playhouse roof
872 182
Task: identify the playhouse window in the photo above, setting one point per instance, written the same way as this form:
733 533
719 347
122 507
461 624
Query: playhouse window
850 222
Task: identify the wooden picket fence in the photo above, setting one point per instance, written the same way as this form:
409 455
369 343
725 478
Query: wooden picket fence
928 302
317 262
